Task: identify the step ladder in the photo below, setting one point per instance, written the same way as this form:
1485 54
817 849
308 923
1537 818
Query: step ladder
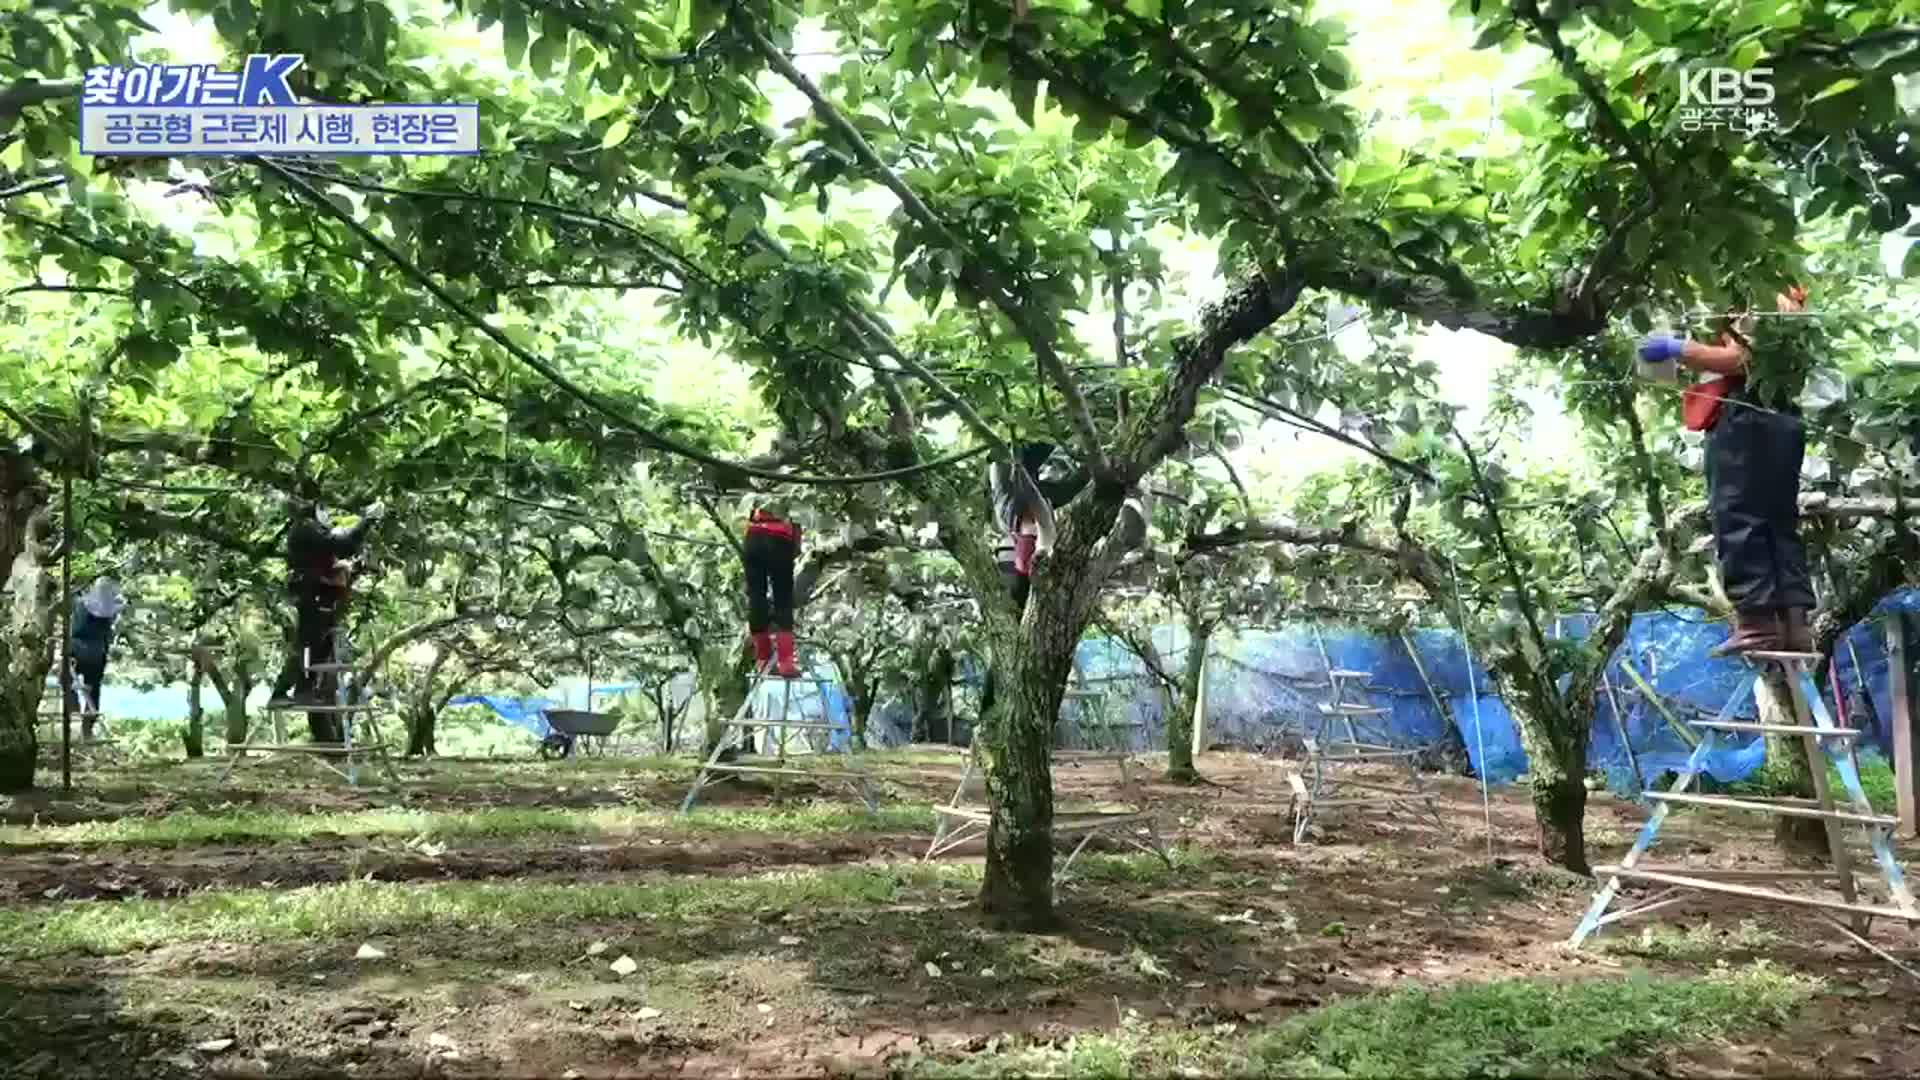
1820 738
1323 783
100 749
779 733
351 703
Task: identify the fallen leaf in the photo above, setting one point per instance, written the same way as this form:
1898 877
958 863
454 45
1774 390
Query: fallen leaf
624 966
764 1008
987 973
789 940
648 1013
213 1046
368 952
933 970
596 948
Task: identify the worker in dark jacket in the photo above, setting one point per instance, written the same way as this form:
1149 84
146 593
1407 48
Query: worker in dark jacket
320 564
1756 441
94 615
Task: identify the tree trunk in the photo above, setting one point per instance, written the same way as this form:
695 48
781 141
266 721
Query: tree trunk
1016 743
1180 768
27 637
195 736
727 672
422 725
422 715
1560 809
863 692
1785 771
932 720
1555 739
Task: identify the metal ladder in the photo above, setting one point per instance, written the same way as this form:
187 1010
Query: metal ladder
349 701
1820 737
1320 785
733 735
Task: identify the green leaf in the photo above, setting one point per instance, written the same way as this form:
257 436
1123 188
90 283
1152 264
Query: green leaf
616 133
14 156
546 49
513 31
1835 88
741 222
602 105
148 353
1023 91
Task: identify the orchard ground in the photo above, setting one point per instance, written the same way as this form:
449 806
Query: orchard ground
476 921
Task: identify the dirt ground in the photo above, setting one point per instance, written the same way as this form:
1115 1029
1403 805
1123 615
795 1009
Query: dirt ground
1252 930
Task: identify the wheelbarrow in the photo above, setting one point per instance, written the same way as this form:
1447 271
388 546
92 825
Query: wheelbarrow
572 729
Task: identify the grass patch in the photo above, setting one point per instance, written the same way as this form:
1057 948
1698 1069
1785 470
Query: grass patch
1695 943
1507 1028
361 909
370 908
1876 780
186 828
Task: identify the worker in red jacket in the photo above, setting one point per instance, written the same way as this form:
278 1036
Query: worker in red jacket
772 547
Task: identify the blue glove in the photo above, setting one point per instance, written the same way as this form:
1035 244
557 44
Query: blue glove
1661 347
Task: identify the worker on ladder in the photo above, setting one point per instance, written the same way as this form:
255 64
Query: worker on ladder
321 561
94 614
1756 440
772 547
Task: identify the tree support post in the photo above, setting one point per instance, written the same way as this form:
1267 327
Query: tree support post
67 689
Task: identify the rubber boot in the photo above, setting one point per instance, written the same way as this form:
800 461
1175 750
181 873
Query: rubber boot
783 648
1753 631
1796 631
762 650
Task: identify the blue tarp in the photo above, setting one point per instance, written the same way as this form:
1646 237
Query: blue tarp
529 713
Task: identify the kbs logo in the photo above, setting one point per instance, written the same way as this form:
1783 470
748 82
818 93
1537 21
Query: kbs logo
1721 87
1721 98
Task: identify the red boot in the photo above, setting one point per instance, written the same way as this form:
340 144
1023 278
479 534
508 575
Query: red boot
762 650
783 647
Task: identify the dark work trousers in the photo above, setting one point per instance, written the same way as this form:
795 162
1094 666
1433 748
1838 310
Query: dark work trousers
769 561
91 669
1753 493
1018 584
316 617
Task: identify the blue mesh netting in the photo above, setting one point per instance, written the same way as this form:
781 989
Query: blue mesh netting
1263 687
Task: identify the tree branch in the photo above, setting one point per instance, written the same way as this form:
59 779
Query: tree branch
1253 305
27 92
1549 31
1039 337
